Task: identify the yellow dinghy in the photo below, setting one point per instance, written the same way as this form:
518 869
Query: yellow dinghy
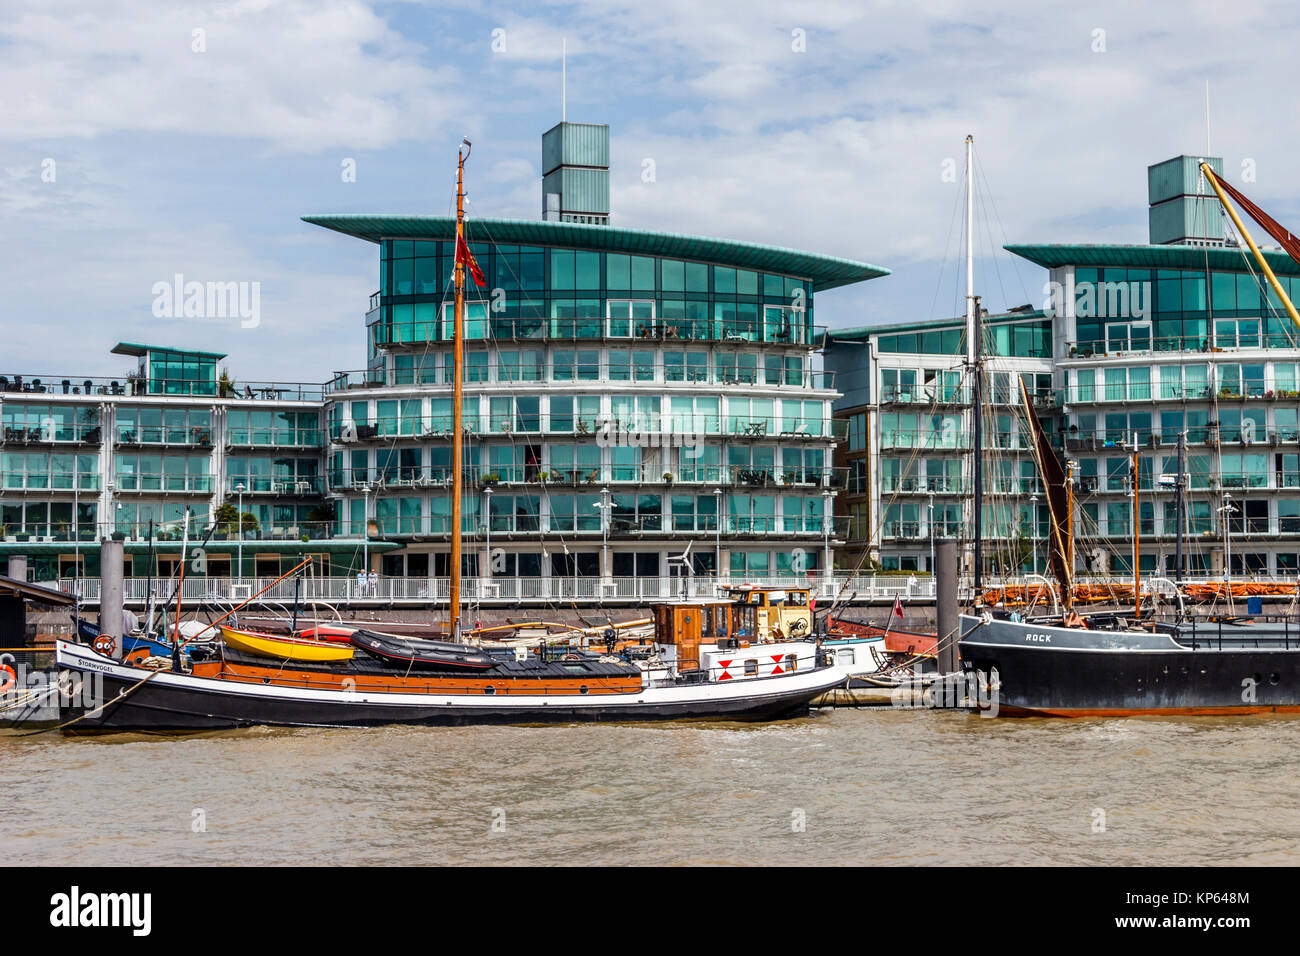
283 647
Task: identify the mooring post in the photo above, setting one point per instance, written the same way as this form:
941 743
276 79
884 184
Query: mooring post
110 591
945 598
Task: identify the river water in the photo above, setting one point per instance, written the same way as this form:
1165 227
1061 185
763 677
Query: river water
867 786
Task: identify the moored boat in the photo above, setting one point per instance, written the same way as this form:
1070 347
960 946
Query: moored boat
284 647
337 633
760 682
420 654
1042 668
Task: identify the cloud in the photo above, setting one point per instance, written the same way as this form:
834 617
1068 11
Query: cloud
298 75
171 160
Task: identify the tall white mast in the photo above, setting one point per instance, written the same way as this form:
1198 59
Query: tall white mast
970 251
974 355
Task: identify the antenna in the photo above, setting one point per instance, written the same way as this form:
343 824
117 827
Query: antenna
564 78
1207 120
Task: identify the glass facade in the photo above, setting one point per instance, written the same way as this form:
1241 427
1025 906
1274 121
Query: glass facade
536 292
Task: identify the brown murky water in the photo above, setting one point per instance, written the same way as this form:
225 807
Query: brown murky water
875 786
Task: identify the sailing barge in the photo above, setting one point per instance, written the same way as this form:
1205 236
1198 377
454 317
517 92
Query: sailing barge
739 660
1121 664
681 679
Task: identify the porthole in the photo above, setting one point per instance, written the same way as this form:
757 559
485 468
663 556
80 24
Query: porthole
1274 678
583 689
489 690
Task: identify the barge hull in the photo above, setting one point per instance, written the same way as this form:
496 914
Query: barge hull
1093 674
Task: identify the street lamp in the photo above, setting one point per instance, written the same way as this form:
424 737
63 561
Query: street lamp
604 505
239 550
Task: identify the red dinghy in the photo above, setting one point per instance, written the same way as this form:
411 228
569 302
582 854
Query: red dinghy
334 633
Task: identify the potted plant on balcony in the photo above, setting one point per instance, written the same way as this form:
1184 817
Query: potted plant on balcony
225 385
668 477
491 478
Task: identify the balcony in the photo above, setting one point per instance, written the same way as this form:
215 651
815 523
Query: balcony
289 486
638 375
664 431
61 483
420 335
145 483
198 436
273 438
48 434
926 486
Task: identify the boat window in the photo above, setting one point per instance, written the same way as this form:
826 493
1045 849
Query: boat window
746 621
583 689
791 662
489 690
751 668
575 668
845 655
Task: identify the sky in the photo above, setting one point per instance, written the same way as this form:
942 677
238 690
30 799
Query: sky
142 140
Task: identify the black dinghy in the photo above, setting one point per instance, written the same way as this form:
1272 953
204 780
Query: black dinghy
421 655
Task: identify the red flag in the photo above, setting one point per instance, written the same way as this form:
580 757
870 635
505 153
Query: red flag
464 255
898 608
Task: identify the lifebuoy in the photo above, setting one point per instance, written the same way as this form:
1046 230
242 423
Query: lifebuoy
104 644
8 678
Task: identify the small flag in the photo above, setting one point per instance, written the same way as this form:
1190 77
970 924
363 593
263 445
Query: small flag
464 255
898 608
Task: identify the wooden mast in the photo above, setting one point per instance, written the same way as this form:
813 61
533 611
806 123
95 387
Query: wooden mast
457 441
1069 536
1137 574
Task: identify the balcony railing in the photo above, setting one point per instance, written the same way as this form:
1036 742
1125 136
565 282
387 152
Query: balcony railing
635 374
405 479
680 427
50 434
167 484
1101 348
273 437
595 329
198 435
49 481
285 486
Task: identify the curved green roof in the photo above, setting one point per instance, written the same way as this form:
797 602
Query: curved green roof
826 272
1226 258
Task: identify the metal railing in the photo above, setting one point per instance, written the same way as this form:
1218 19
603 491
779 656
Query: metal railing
347 590
596 328
437 427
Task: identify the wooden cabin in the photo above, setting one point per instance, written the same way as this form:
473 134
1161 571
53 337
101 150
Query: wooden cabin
745 615
779 613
